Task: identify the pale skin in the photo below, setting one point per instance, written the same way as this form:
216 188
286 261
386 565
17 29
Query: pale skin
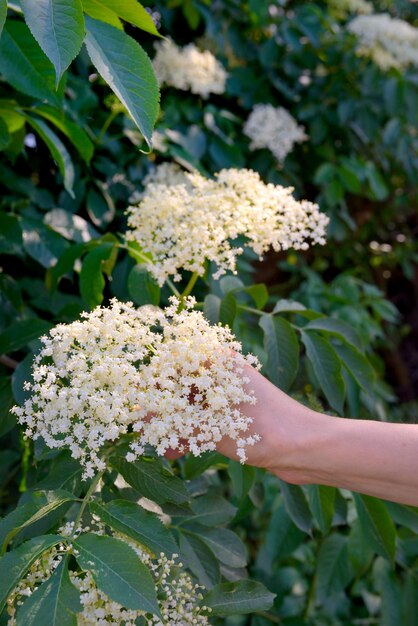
302 446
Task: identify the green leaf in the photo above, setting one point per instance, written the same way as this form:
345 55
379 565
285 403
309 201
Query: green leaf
92 282
297 506
288 306
115 54
335 327
58 27
55 602
24 65
377 525
133 521
41 243
133 12
100 207
244 596
376 181
259 294
19 334
7 420
242 477
10 234
225 545
327 368
72 227
390 592
357 364
118 571
17 563
196 465
98 11
228 310
3 13
282 537
142 287
212 510
23 516
64 265
4 135
333 569
72 131
212 308
152 480
199 559
58 151
321 500
282 347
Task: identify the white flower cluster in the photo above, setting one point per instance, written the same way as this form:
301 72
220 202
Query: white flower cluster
273 128
390 42
165 375
184 225
189 69
178 597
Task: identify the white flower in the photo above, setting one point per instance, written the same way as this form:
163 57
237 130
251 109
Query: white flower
189 69
273 128
122 369
389 41
184 225
178 597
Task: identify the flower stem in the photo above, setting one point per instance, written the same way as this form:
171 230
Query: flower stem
86 500
189 287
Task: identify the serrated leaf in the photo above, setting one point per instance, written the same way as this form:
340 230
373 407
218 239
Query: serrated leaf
118 571
97 10
228 309
327 368
152 480
357 364
58 27
225 544
92 282
23 516
142 287
211 510
17 562
335 327
41 243
24 65
321 501
72 131
133 12
244 596
19 334
100 207
133 521
196 465
282 347
114 54
333 570
297 506
199 559
377 525
58 151
55 602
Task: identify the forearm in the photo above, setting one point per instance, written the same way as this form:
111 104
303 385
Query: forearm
375 458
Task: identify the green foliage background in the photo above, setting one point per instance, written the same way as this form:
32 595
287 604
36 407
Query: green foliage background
333 326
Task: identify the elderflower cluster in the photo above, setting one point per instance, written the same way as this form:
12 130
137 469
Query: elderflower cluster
165 375
189 69
273 128
390 42
178 597
184 225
